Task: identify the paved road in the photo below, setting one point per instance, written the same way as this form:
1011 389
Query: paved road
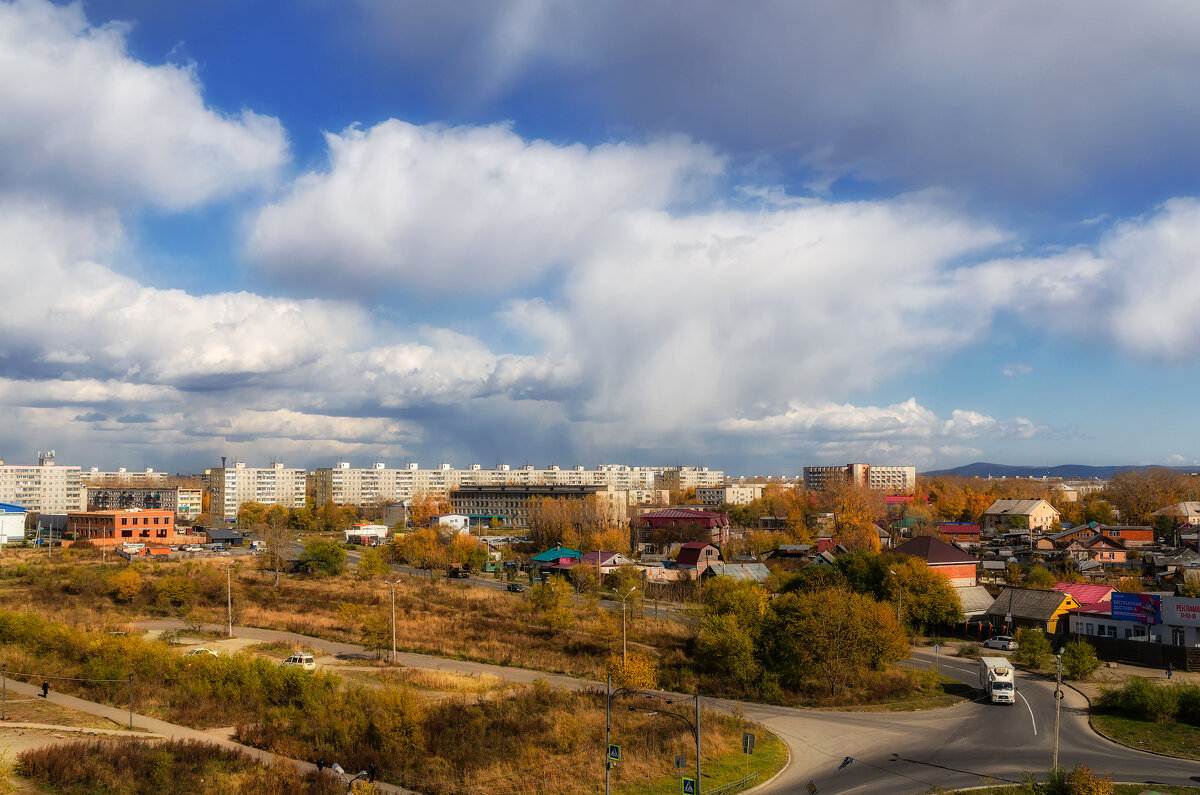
908 752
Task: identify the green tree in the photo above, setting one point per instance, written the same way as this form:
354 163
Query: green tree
371 565
1033 648
553 599
585 579
621 579
1040 578
832 636
865 572
811 578
724 648
376 633
928 600
1079 660
324 556
745 601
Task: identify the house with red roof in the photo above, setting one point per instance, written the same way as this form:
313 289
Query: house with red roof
965 534
679 518
1099 548
606 562
697 556
1086 593
957 566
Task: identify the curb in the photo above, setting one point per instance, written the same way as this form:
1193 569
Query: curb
778 772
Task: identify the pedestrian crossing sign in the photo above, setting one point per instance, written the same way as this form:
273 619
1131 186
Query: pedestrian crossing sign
614 753
687 785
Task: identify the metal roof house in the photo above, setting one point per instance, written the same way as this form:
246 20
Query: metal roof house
1024 607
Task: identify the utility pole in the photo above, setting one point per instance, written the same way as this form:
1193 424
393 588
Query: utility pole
393 584
228 602
1057 704
607 731
698 784
624 648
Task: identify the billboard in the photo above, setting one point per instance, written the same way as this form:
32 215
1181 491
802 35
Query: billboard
1140 607
1181 612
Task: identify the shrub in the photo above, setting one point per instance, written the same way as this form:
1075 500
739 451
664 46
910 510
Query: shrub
1033 648
970 650
1079 660
1140 698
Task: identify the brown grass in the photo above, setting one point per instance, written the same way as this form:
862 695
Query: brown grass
167 766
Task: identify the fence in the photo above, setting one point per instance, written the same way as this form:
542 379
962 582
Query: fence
736 786
1151 655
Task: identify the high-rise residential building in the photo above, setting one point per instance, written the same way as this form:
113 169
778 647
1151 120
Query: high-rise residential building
512 504
143 478
274 485
680 478
185 502
715 496
890 479
45 488
344 485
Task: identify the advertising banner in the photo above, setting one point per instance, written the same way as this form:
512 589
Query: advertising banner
1181 612
1140 607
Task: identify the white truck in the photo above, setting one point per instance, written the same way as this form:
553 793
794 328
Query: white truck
997 680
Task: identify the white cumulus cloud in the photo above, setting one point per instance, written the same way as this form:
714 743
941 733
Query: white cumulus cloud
81 118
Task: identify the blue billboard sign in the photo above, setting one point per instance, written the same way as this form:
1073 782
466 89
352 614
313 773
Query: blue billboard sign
1140 607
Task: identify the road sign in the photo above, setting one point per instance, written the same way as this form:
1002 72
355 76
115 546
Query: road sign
614 753
812 788
936 648
680 762
747 743
687 785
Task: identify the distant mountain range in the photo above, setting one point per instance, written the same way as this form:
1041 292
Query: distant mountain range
981 469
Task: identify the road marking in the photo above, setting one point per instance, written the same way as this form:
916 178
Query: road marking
1031 720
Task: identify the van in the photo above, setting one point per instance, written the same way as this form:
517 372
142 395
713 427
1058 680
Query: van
300 660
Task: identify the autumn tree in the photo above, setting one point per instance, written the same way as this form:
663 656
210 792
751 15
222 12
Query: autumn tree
467 551
926 596
250 514
425 507
1040 578
323 556
832 636
371 565
726 649
635 670
553 600
1137 493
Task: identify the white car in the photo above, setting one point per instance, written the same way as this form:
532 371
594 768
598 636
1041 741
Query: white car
199 653
300 660
1002 642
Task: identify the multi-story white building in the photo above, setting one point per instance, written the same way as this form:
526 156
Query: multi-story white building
146 478
45 488
681 478
273 485
344 485
892 479
729 495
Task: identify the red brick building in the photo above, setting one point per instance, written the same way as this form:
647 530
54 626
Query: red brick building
958 567
113 528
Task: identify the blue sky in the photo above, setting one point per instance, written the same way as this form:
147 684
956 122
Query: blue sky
546 232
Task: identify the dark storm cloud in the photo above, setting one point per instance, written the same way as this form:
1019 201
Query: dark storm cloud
1022 97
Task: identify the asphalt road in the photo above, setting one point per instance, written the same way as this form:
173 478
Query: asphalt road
967 745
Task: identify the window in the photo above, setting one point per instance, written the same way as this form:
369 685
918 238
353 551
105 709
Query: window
124 521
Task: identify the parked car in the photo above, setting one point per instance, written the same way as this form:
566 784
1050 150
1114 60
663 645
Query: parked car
460 574
199 653
301 660
1002 642
515 587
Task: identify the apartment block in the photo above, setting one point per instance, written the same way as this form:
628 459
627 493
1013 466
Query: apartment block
45 488
184 502
680 478
890 479
274 485
729 495
511 504
145 478
345 485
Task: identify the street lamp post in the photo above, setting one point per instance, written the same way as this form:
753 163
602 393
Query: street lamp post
393 584
1057 702
609 695
694 727
624 649
229 594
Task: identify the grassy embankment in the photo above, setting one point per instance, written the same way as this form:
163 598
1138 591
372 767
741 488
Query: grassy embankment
1161 718
437 617
535 734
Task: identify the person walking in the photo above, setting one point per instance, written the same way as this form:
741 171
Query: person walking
45 689
1170 670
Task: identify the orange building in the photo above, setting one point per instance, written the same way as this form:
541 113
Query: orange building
112 528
